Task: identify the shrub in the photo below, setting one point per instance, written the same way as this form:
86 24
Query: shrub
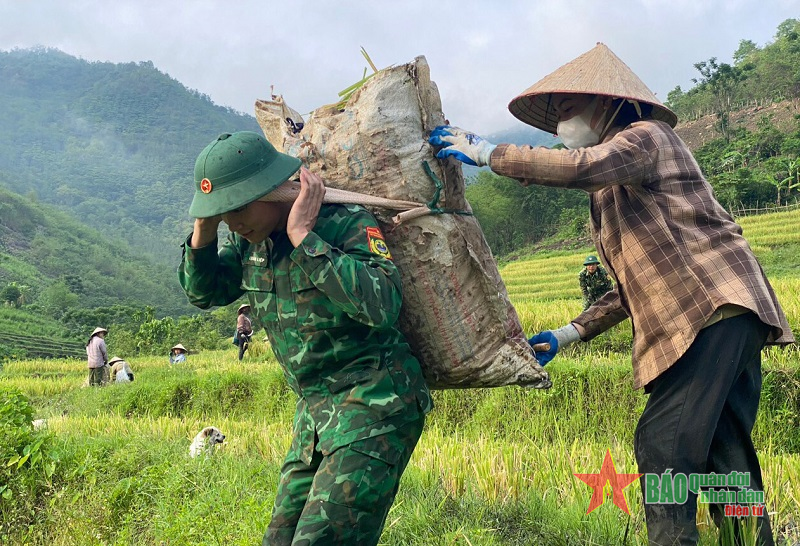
27 463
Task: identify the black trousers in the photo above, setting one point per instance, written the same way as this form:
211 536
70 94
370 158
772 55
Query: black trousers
244 341
698 419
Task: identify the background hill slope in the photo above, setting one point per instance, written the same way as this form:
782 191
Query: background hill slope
112 144
45 250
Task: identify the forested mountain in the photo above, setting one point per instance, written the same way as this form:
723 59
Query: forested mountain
112 144
61 265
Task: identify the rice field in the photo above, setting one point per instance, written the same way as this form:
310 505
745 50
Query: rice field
494 466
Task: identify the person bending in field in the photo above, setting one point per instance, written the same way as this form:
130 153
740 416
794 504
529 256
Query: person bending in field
701 307
121 371
322 284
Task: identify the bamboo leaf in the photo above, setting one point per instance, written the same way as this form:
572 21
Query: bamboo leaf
366 56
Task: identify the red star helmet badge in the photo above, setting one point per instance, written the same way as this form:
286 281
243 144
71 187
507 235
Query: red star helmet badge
205 185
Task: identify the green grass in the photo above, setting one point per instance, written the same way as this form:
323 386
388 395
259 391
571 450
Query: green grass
494 466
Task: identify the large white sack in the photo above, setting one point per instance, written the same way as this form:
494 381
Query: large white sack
456 312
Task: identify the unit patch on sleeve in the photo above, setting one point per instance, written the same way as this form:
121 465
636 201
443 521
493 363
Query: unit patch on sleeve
377 245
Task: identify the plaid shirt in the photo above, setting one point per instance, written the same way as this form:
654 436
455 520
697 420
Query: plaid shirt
675 253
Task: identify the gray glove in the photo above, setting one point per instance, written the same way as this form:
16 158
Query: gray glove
554 340
566 335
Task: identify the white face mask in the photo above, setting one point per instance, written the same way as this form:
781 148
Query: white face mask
577 132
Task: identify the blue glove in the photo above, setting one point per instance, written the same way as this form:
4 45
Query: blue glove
544 337
558 339
467 147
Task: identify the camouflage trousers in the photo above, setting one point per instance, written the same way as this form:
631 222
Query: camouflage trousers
341 498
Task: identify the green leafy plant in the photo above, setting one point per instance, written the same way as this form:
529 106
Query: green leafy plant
27 462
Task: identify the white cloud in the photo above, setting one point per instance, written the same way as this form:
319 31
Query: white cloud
481 53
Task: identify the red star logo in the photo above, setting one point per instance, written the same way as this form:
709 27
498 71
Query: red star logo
598 482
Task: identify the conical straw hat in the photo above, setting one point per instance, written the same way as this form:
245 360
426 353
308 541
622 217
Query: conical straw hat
113 360
179 346
596 72
97 331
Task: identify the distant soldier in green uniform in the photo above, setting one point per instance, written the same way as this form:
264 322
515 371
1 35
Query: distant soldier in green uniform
322 283
594 281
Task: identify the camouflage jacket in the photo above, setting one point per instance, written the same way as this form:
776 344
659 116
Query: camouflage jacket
594 285
329 307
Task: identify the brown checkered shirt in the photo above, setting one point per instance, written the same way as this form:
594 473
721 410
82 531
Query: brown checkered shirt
675 253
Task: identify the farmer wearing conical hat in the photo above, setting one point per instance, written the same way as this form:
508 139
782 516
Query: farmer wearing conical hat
97 356
177 354
321 282
701 307
121 371
244 329
594 281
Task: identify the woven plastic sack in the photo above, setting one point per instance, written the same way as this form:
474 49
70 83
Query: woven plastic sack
456 313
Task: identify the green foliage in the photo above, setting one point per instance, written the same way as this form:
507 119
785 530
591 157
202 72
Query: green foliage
758 74
7 352
150 336
56 299
11 294
27 463
24 322
512 216
113 144
721 80
753 168
69 266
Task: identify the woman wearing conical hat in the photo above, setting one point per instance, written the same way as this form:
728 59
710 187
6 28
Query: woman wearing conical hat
244 329
685 276
97 356
121 371
177 354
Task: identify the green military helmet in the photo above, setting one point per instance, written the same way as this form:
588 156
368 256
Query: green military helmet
236 169
591 260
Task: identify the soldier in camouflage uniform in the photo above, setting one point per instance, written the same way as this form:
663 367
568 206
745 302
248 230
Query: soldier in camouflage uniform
321 281
594 281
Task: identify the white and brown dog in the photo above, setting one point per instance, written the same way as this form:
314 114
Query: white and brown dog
205 442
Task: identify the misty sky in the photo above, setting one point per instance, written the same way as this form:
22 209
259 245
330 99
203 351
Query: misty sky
481 53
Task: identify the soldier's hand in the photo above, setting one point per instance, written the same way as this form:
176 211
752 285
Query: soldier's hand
305 210
205 231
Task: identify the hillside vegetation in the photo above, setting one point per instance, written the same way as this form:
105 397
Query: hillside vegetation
64 265
112 144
